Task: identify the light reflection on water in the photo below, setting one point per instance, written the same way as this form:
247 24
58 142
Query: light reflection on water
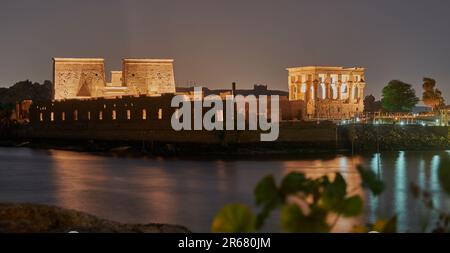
376 167
435 187
191 191
401 191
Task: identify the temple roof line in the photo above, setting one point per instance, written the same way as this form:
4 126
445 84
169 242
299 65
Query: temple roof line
140 60
143 60
78 59
325 68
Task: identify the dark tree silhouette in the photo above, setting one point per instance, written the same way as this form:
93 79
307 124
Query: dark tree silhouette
371 105
431 95
26 90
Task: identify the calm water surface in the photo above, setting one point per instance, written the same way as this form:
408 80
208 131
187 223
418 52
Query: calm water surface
191 191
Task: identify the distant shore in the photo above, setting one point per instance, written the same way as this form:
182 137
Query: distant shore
363 141
294 139
149 149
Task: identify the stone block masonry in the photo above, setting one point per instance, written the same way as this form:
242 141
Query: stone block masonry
81 78
78 78
329 93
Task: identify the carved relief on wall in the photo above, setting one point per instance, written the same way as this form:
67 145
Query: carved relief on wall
78 79
150 78
339 95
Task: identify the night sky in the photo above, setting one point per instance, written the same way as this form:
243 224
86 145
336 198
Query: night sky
217 42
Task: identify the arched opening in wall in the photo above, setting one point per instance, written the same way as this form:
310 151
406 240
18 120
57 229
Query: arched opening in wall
322 87
114 115
144 114
303 88
313 94
334 91
322 91
344 91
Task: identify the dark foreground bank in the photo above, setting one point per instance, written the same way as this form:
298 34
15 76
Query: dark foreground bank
34 218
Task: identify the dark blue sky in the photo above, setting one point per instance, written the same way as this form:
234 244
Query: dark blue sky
217 42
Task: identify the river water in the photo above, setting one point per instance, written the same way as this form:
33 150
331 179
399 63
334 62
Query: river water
191 191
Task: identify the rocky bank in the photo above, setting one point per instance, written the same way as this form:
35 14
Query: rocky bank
35 218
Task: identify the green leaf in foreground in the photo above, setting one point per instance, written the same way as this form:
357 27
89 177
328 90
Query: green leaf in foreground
391 226
384 226
370 180
352 206
234 218
266 195
293 183
334 193
266 191
339 186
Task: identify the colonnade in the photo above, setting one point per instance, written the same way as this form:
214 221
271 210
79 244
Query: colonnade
327 86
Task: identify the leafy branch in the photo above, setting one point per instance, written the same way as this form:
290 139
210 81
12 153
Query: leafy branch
305 203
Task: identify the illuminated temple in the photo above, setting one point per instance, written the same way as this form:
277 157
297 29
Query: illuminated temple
78 78
81 89
328 93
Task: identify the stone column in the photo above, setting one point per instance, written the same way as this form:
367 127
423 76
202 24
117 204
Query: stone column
351 91
316 89
361 91
295 86
293 93
329 93
338 87
308 91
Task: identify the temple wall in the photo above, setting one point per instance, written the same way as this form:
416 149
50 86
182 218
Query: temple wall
116 78
144 76
78 78
337 110
123 119
329 93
